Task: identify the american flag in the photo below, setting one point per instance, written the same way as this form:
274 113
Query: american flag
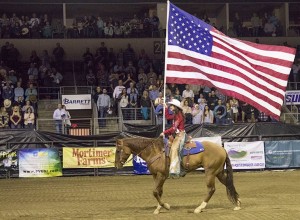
197 53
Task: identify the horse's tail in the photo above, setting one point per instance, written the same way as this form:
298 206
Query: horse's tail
232 194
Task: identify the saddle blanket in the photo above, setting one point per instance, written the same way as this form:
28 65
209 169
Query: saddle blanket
194 150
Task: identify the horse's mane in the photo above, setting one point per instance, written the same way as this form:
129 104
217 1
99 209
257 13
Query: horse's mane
142 142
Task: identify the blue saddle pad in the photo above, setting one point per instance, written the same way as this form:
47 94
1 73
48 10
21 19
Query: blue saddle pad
195 150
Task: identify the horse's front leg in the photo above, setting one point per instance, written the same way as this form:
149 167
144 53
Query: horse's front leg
210 183
159 180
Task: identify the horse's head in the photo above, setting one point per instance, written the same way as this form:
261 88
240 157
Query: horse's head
122 154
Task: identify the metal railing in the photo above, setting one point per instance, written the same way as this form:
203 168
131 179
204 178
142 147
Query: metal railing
291 118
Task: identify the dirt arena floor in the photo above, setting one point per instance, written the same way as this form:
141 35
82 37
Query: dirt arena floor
265 195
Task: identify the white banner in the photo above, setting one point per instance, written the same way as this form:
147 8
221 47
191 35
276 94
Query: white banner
246 155
292 97
82 101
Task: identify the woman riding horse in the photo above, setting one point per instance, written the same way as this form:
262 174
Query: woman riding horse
177 128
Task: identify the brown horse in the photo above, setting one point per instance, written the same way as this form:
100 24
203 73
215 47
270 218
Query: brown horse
212 159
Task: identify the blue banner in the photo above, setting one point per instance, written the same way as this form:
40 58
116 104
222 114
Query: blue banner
282 154
140 166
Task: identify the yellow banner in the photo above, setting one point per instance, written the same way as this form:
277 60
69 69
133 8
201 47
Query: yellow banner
93 157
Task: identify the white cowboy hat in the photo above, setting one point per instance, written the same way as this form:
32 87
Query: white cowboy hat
176 103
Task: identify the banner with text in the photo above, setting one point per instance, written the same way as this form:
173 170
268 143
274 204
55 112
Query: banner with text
92 157
82 101
292 97
8 160
282 154
43 162
246 155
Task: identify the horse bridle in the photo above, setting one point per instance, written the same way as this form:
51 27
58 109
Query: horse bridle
127 161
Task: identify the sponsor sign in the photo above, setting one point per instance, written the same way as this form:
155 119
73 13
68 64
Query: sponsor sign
292 97
43 162
282 154
8 160
246 155
91 157
82 101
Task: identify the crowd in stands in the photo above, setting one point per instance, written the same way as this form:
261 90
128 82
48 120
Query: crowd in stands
92 26
19 87
267 25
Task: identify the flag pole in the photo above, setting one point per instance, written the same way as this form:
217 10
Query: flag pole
165 68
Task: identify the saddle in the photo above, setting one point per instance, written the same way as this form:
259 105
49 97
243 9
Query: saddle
191 148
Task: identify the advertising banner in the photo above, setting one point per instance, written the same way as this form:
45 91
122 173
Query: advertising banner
91 157
246 155
282 154
140 166
8 160
43 162
82 101
292 97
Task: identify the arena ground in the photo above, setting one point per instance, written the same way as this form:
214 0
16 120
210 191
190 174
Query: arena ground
265 195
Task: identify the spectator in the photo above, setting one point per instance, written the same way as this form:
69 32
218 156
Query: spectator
153 93
58 115
34 58
187 111
128 80
229 114
177 95
66 120
142 75
123 102
12 77
158 99
129 54
7 106
33 72
100 26
212 100
133 100
270 29
145 105
58 53
20 101
7 92
47 30
26 106
202 104
140 86
91 78
173 88
251 114
255 22
208 115
102 75
152 74
159 111
197 115
130 68
98 91
234 103
237 25
118 89
263 117
15 118
220 113
4 118
13 57
103 105
31 94
188 94
29 119
45 59
18 91
57 77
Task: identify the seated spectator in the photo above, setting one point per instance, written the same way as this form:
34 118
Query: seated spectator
12 77
4 118
20 102
208 115
197 115
26 106
145 103
31 94
15 118
153 93
7 92
29 119
18 91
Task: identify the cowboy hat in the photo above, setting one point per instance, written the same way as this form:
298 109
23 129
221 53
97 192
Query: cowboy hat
176 103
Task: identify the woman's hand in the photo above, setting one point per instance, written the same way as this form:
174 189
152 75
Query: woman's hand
161 134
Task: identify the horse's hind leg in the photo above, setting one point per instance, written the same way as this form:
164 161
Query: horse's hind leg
210 184
159 181
222 178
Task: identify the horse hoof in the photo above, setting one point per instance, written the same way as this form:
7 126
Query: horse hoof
237 208
156 212
197 211
166 206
